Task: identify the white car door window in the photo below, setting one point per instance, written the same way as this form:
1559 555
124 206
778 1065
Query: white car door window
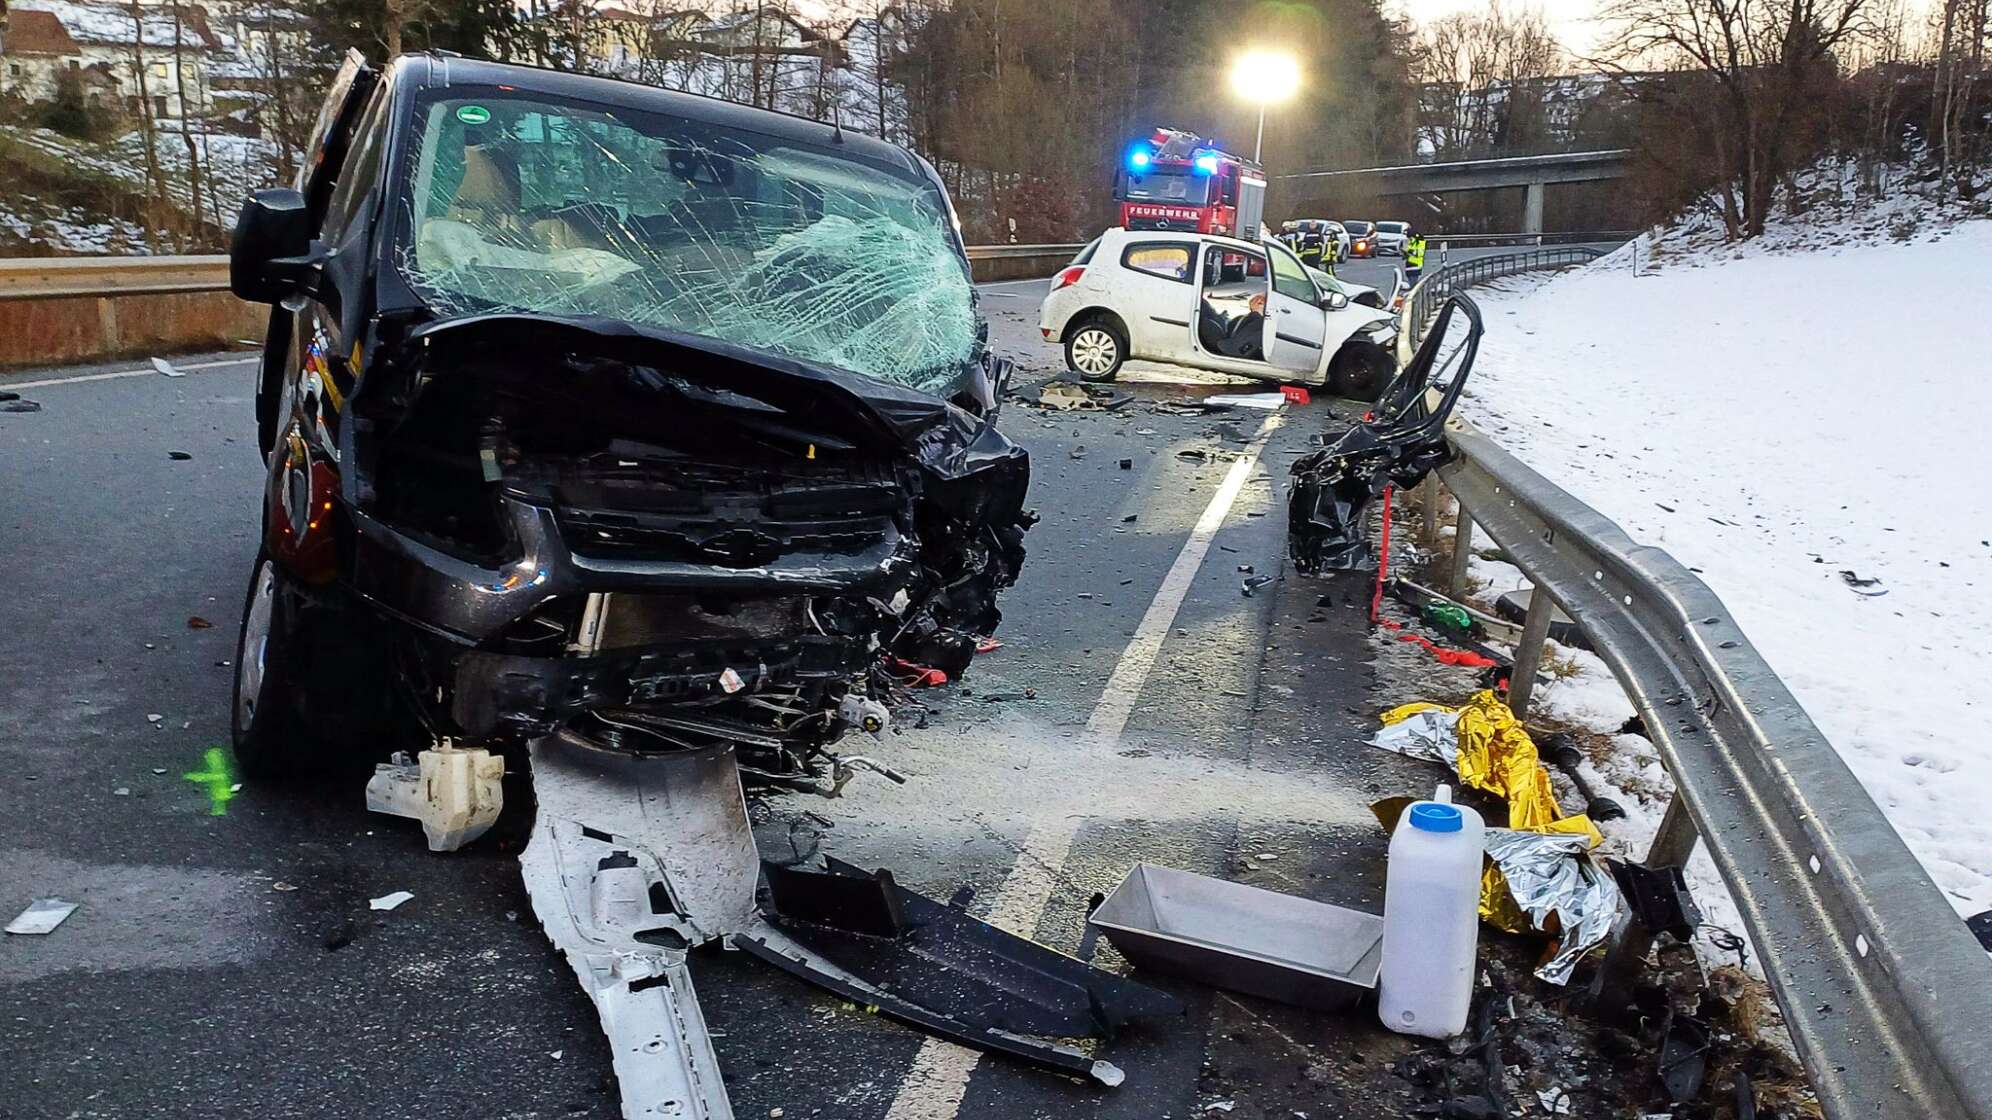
1296 324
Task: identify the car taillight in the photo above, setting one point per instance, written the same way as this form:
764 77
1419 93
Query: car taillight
1068 277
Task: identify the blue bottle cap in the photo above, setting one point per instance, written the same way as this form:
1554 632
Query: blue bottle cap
1431 816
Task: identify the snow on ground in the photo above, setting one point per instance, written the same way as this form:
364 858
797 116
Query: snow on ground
1773 418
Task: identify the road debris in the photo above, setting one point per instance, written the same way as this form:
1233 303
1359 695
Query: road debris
1869 586
1242 938
1561 749
1489 749
163 366
1431 928
1551 878
15 404
930 965
179 456
196 622
455 794
1253 583
1071 396
389 901
41 917
1266 401
1403 438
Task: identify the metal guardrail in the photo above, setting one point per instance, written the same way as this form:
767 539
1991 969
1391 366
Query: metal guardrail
1439 240
1433 289
1012 252
73 277
68 277
1883 989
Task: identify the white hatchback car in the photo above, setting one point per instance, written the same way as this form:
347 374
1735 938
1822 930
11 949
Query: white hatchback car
1216 303
1391 237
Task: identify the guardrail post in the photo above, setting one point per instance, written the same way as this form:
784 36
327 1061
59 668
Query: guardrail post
1528 651
1428 504
1462 551
1675 839
107 325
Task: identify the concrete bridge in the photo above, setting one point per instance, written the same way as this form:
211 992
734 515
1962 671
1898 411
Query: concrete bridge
1534 173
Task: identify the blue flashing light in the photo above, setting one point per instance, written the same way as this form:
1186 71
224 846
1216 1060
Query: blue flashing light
1207 164
1138 159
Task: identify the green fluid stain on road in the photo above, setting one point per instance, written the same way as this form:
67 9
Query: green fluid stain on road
219 779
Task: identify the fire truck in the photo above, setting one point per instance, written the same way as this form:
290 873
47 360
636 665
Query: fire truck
1178 180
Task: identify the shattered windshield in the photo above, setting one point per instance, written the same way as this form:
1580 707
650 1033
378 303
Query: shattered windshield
564 209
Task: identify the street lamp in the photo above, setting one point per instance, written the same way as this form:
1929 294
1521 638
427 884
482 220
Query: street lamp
1265 77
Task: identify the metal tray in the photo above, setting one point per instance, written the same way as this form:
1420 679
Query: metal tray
1243 938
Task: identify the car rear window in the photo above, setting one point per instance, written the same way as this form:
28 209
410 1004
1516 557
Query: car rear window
1171 262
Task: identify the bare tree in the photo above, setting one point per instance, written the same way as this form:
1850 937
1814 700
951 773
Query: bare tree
1959 68
1482 79
187 108
155 179
1768 64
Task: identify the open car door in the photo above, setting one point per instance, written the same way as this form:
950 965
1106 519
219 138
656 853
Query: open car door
1295 323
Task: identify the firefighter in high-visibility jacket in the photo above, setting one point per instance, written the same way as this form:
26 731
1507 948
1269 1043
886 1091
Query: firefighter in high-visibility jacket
1414 256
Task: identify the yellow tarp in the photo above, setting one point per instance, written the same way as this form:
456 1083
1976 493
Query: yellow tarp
1497 756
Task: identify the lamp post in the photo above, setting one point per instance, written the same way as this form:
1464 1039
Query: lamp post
1266 78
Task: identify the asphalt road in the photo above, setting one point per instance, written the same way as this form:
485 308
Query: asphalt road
230 966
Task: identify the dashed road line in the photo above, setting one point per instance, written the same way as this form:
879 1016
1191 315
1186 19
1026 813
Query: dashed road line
938 1078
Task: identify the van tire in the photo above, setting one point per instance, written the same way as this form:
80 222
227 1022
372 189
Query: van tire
1096 349
267 730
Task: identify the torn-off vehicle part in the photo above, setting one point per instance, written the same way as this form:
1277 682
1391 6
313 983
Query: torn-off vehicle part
634 861
456 794
1243 938
681 464
1404 436
936 968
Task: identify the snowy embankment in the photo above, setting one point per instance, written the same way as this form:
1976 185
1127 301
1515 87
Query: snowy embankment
1777 421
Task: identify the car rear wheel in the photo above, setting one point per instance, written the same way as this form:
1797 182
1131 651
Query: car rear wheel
1095 351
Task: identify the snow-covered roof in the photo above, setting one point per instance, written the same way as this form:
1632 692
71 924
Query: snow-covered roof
111 24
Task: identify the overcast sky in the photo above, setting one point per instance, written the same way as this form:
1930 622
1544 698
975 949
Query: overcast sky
1571 20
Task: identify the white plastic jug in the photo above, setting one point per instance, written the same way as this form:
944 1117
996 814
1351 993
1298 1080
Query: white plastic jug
1431 918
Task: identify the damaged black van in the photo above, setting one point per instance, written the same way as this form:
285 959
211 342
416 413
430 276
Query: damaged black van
597 408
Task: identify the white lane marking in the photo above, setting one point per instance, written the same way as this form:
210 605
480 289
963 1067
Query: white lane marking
938 1079
148 371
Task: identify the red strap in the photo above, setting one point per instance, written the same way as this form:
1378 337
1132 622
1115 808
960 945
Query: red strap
1382 559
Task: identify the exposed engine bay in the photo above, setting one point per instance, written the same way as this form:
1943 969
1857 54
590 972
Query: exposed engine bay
659 545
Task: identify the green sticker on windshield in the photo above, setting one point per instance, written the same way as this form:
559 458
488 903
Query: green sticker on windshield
473 114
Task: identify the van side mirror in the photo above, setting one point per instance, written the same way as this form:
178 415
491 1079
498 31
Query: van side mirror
270 257
1334 301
